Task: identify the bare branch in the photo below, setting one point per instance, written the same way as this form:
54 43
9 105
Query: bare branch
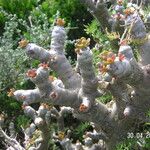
100 12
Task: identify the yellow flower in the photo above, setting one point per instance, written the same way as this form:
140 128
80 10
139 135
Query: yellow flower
107 57
11 92
103 69
120 2
109 61
23 43
46 106
82 43
61 135
77 50
113 35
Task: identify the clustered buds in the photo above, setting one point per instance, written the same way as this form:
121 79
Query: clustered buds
46 106
31 73
52 78
112 35
11 92
108 58
128 11
120 2
83 108
23 43
102 68
81 43
61 135
60 22
44 65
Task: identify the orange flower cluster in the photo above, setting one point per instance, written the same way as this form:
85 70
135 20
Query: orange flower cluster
103 69
46 106
108 58
129 11
82 107
81 43
60 22
44 65
31 73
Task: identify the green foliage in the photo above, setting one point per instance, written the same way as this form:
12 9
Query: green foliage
80 131
106 98
12 58
8 105
134 144
94 30
127 145
14 62
23 121
42 12
19 7
38 29
146 144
